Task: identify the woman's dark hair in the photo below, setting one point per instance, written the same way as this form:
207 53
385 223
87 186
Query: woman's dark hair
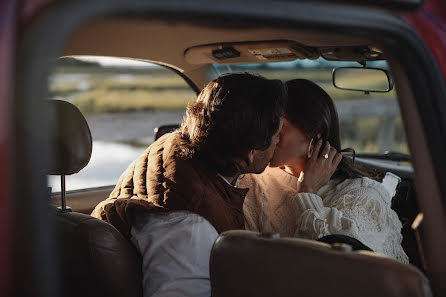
233 114
311 109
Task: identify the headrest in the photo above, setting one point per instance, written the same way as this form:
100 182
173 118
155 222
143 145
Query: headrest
71 143
245 263
161 130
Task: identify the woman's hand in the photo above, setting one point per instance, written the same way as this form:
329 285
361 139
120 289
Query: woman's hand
318 170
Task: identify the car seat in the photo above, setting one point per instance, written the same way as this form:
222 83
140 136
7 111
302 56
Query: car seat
94 258
246 263
161 130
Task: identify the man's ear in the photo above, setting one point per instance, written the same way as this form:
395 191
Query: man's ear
251 154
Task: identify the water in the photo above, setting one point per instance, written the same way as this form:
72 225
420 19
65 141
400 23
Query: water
130 126
108 161
118 139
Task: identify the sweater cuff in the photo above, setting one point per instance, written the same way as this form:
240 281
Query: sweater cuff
306 201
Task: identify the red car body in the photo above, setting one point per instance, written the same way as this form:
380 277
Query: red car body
16 16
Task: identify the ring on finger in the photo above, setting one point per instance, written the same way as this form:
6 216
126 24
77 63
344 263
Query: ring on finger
325 156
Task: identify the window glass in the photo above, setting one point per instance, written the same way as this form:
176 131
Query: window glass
369 123
123 102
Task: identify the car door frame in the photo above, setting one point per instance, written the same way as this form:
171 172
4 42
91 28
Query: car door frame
421 95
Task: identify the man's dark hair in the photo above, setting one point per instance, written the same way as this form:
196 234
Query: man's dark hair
233 114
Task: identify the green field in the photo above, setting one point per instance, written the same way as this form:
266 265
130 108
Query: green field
105 90
162 89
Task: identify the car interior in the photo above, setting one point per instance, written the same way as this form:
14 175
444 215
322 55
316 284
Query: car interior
92 251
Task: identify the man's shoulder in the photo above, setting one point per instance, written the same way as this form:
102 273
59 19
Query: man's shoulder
146 222
171 145
170 138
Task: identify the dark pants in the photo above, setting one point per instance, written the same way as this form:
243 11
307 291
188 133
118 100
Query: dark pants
338 238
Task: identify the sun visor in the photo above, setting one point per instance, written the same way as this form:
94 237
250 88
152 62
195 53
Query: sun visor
249 52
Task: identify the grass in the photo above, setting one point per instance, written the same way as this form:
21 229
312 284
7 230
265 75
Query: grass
112 92
61 89
122 100
128 91
115 90
363 135
318 76
127 81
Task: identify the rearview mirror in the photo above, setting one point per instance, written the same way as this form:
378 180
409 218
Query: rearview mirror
362 79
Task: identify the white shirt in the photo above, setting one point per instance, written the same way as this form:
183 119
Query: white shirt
175 249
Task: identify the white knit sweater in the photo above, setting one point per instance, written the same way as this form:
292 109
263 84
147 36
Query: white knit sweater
359 208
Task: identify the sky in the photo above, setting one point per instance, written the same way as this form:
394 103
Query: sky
110 61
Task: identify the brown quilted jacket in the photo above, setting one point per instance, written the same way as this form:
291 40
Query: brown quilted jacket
161 179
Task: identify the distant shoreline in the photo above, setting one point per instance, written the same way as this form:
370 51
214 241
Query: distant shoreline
130 126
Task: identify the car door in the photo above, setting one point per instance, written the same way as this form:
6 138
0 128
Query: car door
416 68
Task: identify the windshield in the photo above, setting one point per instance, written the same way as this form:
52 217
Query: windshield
369 123
123 102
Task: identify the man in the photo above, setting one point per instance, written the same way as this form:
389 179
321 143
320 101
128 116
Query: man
187 178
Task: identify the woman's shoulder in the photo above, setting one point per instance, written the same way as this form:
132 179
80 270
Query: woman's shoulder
362 186
355 183
271 175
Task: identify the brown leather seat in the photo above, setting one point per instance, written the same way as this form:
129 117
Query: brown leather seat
95 259
245 263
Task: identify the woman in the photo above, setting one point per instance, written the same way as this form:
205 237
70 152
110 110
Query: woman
310 191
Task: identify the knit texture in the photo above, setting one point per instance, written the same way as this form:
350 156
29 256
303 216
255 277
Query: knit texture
359 208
